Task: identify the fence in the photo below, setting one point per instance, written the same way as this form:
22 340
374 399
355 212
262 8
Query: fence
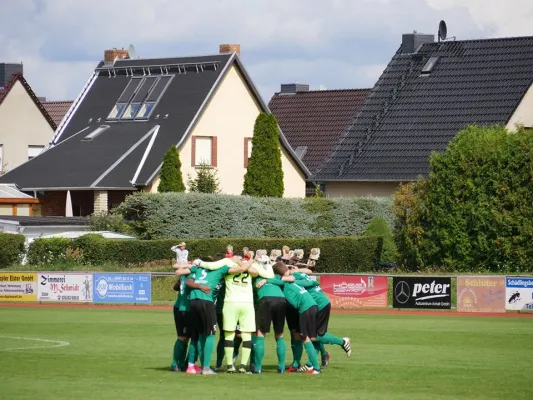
462 293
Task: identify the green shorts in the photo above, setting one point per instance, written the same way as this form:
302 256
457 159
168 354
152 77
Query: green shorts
242 314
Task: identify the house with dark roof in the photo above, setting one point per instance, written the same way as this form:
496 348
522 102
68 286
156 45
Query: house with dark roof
131 111
428 93
313 121
26 127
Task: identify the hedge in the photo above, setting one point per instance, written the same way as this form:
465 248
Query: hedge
198 215
340 254
11 249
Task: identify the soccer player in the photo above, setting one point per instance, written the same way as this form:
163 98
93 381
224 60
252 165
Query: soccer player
238 310
271 310
219 305
184 329
324 311
203 292
307 310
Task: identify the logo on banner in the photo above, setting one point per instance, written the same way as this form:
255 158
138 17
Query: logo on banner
402 292
102 287
355 288
515 298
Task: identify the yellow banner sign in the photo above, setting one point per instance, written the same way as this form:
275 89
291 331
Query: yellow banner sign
18 286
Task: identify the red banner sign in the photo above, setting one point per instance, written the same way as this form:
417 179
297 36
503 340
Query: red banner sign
355 291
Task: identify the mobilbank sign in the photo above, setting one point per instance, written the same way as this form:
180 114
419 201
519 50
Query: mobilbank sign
519 293
421 292
122 288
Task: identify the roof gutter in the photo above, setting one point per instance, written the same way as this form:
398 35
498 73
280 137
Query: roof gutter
64 189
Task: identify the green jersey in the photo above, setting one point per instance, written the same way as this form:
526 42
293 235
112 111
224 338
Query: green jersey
183 303
220 293
295 294
207 278
268 289
313 288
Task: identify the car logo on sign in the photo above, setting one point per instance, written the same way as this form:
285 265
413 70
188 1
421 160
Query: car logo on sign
402 292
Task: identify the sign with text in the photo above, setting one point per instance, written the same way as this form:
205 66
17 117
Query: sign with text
519 293
481 294
421 292
355 291
18 286
65 287
122 288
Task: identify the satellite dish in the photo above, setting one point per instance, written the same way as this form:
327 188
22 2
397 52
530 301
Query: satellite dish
131 52
443 30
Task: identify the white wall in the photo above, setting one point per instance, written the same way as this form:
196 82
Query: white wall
523 114
21 125
230 116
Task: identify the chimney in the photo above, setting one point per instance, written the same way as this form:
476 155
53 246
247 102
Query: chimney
230 48
293 88
110 55
411 42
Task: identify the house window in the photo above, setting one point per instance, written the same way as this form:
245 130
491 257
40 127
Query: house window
2 159
204 151
34 151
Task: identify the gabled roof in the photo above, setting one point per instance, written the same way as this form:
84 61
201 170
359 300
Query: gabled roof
57 109
19 78
128 153
313 121
409 114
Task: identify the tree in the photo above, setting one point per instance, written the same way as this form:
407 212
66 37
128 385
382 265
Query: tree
170 177
206 180
474 212
264 176
378 227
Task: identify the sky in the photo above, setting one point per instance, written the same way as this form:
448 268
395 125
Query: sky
333 44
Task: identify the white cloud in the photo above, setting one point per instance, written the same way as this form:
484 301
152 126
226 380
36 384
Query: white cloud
339 43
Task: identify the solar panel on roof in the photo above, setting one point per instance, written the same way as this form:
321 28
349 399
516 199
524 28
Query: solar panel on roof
144 89
158 88
130 90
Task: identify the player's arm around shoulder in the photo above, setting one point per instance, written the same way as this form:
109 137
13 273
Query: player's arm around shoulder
183 270
239 267
213 265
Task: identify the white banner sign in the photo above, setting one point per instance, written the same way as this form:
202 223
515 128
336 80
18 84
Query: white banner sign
65 287
519 291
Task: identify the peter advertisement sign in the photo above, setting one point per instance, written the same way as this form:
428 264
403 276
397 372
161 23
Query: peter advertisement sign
355 291
422 292
69 287
481 294
18 286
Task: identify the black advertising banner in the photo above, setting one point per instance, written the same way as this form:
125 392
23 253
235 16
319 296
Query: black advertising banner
421 292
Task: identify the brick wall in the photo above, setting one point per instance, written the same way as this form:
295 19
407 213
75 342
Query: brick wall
100 202
230 48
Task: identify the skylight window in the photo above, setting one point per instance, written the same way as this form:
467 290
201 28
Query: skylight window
153 97
96 132
131 110
430 64
117 111
145 110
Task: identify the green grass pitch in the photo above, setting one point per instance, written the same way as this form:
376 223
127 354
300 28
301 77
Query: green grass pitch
125 354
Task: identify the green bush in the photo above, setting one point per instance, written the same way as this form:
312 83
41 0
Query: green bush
206 180
198 215
379 227
264 175
11 249
111 222
474 212
341 254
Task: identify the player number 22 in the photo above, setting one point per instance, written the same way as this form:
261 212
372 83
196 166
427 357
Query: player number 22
242 276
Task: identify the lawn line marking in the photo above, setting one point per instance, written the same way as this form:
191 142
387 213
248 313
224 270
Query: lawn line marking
59 343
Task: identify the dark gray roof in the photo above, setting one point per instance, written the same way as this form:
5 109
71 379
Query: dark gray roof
408 115
46 221
110 160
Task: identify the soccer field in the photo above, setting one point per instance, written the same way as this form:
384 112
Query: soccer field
97 353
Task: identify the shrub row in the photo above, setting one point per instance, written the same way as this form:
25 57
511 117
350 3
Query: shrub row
199 215
11 249
340 254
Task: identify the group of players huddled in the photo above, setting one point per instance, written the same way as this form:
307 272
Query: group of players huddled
245 294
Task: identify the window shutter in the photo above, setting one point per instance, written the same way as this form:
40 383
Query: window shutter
245 152
214 159
193 151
